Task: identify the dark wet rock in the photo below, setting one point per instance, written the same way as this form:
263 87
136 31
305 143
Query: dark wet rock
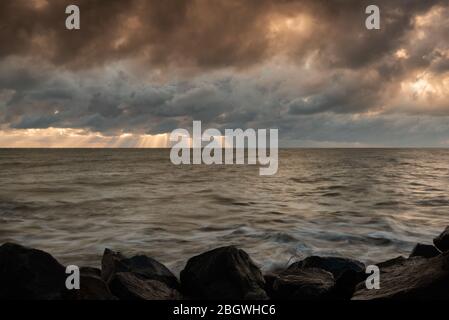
303 284
146 267
92 287
442 241
131 286
346 284
425 251
27 273
90 271
347 272
270 278
335 265
223 273
414 278
391 262
111 263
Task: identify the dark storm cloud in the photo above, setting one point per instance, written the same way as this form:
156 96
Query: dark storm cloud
343 94
343 41
158 32
106 102
207 34
153 66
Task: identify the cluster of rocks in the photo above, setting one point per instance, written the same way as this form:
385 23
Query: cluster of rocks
226 273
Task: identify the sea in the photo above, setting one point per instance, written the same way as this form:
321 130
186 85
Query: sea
367 204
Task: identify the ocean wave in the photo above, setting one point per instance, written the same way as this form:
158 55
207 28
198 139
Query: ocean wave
321 202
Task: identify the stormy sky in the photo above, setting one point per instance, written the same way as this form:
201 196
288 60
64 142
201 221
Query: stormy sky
138 69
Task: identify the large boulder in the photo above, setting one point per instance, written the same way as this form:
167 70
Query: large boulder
346 272
146 267
425 251
92 287
27 273
414 278
303 284
391 262
131 286
442 241
223 273
335 265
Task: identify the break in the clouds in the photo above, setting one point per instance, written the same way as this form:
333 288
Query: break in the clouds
138 69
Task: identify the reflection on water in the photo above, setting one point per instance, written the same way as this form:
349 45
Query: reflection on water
370 204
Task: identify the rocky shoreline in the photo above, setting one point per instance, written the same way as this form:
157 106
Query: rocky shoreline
226 273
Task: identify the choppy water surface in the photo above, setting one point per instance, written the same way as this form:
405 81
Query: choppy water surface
370 204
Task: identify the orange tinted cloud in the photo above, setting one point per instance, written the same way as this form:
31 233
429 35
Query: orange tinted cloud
77 138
